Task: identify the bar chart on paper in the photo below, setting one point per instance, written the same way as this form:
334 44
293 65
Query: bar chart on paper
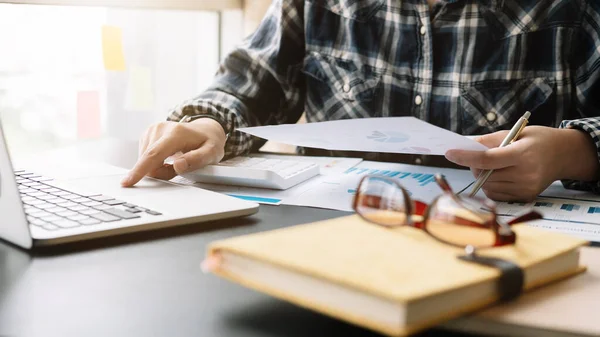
337 191
422 179
573 216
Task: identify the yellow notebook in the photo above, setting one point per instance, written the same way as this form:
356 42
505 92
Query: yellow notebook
393 281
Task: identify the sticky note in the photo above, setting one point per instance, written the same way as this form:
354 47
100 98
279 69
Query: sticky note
88 114
140 89
112 48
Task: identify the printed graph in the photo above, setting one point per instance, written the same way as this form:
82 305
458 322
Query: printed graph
593 210
569 207
388 136
422 179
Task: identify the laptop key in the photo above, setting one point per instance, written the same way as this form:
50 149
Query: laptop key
78 217
33 211
38 222
41 214
56 209
79 208
34 202
90 211
58 193
68 204
105 217
64 223
70 197
66 213
114 202
27 174
151 212
89 221
133 210
130 205
101 207
50 227
50 218
62 201
121 214
42 178
45 205
46 197
81 200
101 198
92 203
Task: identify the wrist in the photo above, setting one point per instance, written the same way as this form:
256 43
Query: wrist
212 124
578 155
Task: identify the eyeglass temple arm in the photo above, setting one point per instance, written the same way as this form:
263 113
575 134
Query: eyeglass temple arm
529 216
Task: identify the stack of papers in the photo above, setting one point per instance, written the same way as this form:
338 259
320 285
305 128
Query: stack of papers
335 187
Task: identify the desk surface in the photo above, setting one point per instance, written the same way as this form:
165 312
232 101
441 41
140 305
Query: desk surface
151 284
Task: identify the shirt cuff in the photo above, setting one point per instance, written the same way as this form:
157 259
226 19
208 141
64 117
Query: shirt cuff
591 126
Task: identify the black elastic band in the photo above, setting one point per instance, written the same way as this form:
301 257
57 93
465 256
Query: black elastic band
512 278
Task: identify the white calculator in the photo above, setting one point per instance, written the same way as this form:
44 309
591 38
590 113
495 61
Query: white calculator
259 172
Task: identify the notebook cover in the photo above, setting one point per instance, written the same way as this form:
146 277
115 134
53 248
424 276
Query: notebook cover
402 265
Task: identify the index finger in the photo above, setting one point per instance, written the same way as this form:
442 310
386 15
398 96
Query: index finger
151 160
495 158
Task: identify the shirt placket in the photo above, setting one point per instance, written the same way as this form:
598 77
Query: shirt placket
424 67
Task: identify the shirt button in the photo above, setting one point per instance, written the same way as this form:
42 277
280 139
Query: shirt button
423 30
346 87
418 100
491 116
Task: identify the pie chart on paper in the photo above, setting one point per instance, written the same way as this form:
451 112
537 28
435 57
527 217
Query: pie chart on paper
388 136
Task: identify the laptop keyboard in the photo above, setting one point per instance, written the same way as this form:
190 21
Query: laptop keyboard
53 208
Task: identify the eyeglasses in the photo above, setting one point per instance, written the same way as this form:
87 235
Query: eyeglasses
451 219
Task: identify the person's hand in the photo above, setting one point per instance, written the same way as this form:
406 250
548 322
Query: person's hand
201 141
525 168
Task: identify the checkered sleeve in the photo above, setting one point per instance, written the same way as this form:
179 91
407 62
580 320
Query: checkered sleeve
587 86
258 83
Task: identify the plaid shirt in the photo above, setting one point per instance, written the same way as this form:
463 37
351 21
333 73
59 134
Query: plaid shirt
469 66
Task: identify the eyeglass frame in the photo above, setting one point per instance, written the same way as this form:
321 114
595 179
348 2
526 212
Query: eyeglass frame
504 235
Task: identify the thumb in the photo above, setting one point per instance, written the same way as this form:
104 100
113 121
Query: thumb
195 159
492 140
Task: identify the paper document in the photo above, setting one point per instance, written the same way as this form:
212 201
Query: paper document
335 187
390 134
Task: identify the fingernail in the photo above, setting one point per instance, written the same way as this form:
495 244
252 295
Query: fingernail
210 263
450 156
181 165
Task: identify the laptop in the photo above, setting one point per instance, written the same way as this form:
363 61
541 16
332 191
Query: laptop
53 203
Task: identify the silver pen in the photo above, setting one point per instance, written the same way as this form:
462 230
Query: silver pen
511 137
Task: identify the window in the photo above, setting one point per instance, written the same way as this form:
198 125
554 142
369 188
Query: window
71 73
